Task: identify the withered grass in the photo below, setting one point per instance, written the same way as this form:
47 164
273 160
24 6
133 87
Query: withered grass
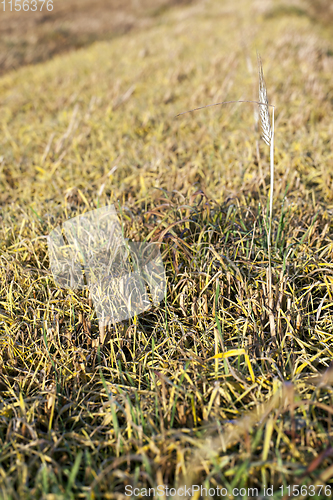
193 391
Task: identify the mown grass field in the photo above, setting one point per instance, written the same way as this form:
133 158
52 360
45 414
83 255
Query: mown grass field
151 406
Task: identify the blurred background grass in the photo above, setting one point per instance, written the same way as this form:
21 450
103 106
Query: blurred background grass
32 37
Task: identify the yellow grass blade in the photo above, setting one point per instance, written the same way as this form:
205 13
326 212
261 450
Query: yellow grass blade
237 352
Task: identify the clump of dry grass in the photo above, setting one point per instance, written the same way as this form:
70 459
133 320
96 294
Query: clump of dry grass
170 398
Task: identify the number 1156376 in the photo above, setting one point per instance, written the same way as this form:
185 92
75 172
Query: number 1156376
26 5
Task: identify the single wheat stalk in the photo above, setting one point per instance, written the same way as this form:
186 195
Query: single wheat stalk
268 137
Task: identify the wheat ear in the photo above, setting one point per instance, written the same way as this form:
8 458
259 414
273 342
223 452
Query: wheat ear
268 137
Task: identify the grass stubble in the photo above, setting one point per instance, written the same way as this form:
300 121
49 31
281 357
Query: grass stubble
194 391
